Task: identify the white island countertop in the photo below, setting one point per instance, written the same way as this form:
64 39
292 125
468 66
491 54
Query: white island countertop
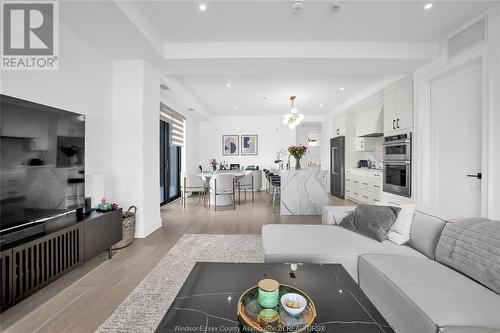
304 192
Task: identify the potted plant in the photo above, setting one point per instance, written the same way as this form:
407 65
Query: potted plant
105 206
297 152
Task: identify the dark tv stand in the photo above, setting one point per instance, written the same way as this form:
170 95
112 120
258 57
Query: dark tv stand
29 264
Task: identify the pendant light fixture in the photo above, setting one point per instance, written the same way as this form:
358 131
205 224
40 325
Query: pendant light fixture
293 118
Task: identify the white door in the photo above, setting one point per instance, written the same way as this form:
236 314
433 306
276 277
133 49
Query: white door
456 131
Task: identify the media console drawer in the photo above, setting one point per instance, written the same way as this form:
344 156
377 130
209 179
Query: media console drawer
102 232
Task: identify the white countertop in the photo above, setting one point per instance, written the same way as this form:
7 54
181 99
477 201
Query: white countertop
364 170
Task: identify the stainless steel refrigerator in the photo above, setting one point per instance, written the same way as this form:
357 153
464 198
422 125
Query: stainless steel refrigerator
337 166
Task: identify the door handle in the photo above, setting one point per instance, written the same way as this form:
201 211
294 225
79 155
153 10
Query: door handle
479 175
397 123
393 124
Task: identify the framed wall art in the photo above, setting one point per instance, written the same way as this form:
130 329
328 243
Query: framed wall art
249 144
230 145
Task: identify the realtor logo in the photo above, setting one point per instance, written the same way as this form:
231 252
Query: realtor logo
30 36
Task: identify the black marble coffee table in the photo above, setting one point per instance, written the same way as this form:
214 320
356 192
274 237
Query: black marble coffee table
207 301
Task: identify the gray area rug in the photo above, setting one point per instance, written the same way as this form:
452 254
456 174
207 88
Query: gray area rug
144 308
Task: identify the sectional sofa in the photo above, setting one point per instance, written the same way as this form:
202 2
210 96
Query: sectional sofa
413 291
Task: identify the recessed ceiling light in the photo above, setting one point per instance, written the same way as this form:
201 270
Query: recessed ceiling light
228 85
236 108
321 105
335 6
341 88
202 7
297 5
428 6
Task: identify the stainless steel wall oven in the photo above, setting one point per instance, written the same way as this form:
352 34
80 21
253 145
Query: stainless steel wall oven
397 164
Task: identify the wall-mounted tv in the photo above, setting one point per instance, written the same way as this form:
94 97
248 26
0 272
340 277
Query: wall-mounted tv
42 158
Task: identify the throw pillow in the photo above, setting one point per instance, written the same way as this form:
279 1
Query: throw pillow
371 220
400 230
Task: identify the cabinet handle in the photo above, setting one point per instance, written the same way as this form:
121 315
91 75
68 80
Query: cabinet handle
393 124
397 122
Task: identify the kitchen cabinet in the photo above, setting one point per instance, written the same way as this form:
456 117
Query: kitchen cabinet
339 125
364 186
364 144
398 108
370 122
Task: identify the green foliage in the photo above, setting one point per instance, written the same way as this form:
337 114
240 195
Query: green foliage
297 151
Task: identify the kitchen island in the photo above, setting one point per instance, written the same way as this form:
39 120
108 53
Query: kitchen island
304 192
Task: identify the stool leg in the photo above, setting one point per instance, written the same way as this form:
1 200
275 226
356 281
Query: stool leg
253 199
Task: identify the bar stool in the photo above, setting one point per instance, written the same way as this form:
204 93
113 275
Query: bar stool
276 184
269 190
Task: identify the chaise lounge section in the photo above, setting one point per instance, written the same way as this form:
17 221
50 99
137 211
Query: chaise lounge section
413 291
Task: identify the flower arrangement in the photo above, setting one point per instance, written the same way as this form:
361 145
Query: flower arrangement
213 163
105 206
297 152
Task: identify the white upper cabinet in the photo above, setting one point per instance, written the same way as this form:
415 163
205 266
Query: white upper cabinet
405 107
370 122
339 125
390 110
398 108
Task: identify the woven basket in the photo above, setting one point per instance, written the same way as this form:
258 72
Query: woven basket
128 229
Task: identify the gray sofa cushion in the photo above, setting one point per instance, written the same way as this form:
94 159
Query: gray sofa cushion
296 243
371 220
472 246
425 232
421 295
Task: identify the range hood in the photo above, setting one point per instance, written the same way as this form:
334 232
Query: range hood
370 122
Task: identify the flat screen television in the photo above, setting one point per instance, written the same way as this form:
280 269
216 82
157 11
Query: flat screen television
42 158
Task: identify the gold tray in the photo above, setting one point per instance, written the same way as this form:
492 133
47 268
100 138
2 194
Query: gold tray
249 308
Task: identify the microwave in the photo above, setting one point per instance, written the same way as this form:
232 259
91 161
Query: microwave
397 147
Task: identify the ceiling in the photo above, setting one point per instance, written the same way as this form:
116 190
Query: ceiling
268 94
265 50
355 21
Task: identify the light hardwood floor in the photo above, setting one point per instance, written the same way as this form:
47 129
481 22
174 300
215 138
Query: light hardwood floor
84 298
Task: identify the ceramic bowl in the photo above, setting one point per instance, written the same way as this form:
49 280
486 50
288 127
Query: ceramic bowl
296 298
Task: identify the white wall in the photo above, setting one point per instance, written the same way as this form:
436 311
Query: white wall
273 136
493 54
313 154
83 84
135 155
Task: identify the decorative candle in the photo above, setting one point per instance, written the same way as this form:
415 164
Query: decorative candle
269 317
269 293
